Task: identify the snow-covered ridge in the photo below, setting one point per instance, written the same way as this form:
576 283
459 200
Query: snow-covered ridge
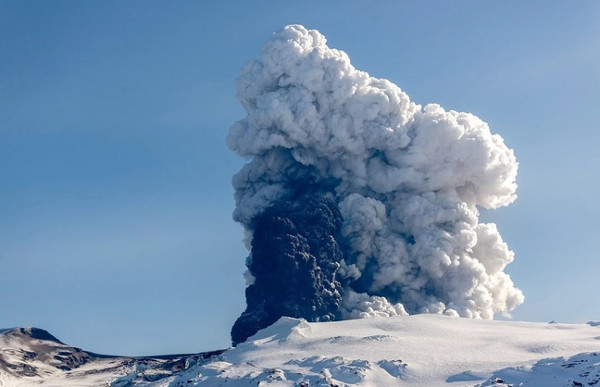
418 350
32 356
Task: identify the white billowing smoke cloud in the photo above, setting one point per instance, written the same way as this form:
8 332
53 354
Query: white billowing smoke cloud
408 180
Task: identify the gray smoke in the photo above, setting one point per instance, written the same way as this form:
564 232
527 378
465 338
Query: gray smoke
295 259
408 181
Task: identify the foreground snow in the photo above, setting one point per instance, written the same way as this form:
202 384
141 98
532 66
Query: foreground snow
419 350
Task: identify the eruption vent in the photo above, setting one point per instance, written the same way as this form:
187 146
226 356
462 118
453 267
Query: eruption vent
359 202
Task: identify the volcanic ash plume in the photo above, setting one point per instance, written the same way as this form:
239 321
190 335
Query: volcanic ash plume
359 202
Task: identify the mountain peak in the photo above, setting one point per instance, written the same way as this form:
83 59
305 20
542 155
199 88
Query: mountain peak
32 333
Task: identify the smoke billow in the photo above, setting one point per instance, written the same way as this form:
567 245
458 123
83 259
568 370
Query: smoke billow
295 257
359 202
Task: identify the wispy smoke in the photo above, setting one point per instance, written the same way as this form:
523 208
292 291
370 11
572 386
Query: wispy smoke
407 181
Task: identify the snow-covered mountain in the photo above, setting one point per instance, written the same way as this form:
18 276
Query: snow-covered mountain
418 350
32 356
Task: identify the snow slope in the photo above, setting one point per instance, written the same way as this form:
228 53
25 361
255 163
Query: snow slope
32 357
418 350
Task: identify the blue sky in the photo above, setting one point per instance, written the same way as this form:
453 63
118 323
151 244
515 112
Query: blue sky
116 231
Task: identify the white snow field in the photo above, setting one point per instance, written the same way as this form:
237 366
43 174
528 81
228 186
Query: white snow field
417 350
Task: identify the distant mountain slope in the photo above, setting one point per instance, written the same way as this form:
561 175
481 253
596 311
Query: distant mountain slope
419 350
32 356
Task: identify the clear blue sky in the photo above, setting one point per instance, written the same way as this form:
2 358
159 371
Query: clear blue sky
116 231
